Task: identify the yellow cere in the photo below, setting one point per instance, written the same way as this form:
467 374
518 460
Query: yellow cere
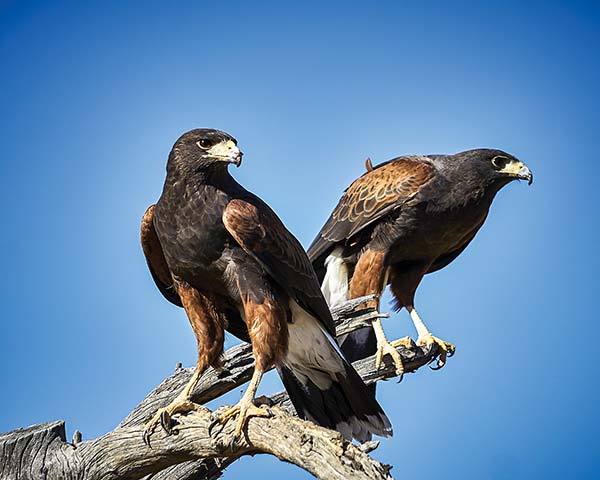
222 149
513 167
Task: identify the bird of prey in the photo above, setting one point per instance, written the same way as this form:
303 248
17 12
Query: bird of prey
405 218
222 254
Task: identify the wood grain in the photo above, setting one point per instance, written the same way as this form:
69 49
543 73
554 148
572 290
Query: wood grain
197 451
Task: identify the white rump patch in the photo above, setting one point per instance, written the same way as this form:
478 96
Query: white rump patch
312 353
335 282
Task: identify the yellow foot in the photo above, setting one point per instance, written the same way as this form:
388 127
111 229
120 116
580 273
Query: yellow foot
446 349
385 347
245 409
163 416
405 342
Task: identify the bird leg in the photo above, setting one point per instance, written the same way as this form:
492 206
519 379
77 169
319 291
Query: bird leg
208 329
386 347
427 339
245 407
181 404
267 327
371 277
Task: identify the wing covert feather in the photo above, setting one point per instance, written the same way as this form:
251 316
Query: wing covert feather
260 232
371 197
155 258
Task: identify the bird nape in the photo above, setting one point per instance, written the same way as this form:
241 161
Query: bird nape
222 254
405 218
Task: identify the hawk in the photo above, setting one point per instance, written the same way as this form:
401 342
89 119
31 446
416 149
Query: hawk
405 218
222 254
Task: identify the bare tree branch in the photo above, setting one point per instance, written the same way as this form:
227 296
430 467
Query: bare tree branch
238 365
197 451
120 454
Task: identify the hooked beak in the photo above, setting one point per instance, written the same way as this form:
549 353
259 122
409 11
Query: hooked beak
516 169
235 157
226 152
525 174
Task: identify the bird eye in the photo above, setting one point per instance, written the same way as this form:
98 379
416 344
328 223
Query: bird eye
204 144
499 162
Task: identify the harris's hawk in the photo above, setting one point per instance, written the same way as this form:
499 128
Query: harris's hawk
222 254
405 218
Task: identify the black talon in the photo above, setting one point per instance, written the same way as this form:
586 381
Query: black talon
213 423
146 437
438 366
165 421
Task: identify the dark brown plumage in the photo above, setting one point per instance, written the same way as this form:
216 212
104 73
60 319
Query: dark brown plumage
401 220
223 254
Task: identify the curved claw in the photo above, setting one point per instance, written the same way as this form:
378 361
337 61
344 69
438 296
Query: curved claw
146 437
386 348
439 365
445 349
164 416
244 410
215 421
149 429
165 422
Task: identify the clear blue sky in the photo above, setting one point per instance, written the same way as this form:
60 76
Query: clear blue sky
93 95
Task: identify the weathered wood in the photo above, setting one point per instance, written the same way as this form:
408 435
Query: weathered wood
197 452
120 454
238 365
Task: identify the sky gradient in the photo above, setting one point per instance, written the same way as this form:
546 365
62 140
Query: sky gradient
93 95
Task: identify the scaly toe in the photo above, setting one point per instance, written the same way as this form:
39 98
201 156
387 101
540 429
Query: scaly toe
250 411
378 358
227 414
157 419
245 412
405 342
164 415
388 348
445 349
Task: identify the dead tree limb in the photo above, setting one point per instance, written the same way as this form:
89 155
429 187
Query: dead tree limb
197 451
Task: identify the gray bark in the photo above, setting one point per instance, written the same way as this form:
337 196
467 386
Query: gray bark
196 451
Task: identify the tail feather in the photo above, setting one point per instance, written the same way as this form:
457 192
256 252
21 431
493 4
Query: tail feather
360 344
324 387
346 406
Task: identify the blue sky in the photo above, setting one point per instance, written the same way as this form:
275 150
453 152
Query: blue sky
93 95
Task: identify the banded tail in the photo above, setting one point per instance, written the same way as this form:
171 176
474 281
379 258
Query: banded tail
323 385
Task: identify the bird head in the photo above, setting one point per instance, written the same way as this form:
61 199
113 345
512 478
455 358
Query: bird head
498 167
206 148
